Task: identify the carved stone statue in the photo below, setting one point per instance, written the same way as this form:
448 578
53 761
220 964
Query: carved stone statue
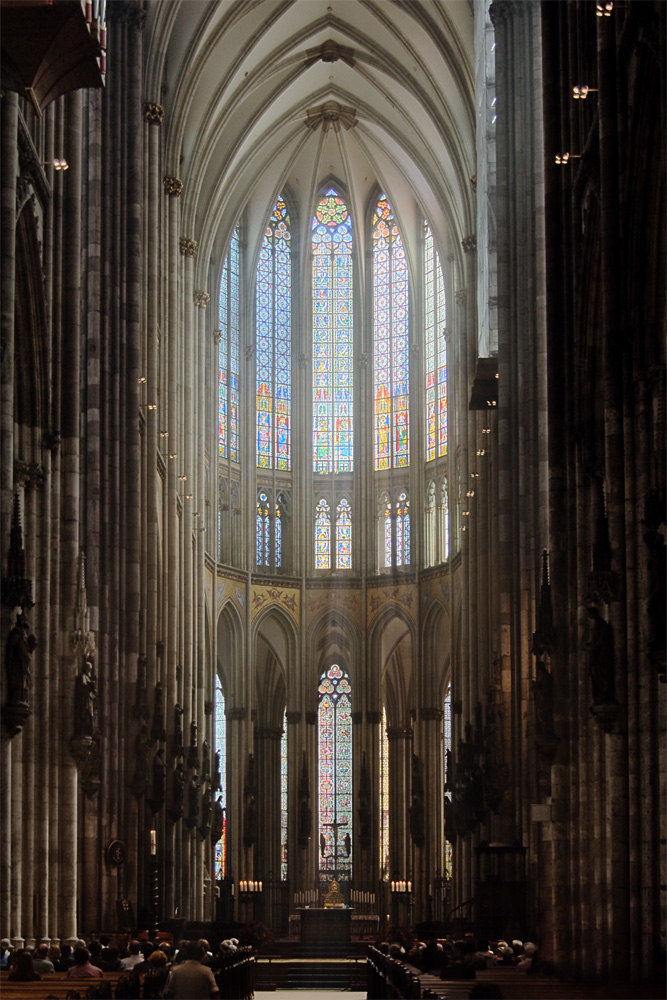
206 812
217 780
192 817
305 822
20 648
142 742
250 822
178 729
176 811
85 701
601 659
159 789
157 730
206 759
347 844
218 821
323 845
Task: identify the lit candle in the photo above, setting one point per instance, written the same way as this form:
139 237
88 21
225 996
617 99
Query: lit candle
260 886
393 887
153 842
409 886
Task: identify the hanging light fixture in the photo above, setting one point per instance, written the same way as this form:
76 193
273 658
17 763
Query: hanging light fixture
581 91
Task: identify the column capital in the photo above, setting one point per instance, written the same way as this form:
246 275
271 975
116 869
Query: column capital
461 297
188 247
173 186
201 299
373 718
311 718
217 336
501 10
430 714
396 733
153 113
357 718
469 243
292 718
238 714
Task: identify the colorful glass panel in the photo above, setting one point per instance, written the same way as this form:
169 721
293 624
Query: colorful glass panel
384 798
344 535
435 355
332 335
278 548
228 354
283 802
335 775
322 535
263 530
273 343
390 339
403 531
220 860
388 546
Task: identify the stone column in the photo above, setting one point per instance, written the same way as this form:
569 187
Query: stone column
400 760
203 675
9 172
170 422
155 410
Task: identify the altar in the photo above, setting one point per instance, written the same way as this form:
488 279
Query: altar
322 924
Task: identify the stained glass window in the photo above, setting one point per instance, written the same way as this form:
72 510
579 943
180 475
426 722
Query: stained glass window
390 337
435 357
388 543
221 748
263 530
403 531
322 535
343 535
332 335
279 535
384 797
228 354
443 513
335 774
283 801
273 339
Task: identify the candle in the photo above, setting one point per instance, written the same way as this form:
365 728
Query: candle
153 842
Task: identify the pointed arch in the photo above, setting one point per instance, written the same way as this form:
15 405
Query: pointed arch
230 668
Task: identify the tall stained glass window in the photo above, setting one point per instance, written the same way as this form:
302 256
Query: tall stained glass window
384 797
435 358
390 337
343 535
322 535
273 341
335 774
332 335
263 530
221 748
283 801
403 531
228 354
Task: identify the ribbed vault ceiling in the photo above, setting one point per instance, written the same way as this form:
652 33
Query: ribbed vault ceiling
238 78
